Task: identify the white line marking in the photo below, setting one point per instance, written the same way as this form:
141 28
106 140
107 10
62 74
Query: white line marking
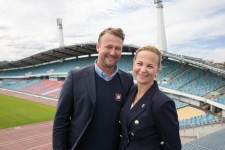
39 146
24 139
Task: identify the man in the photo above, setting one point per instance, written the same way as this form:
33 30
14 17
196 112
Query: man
91 99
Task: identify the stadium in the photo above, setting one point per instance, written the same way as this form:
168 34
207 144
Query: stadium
196 86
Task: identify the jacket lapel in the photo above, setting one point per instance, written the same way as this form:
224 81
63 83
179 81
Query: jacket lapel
126 109
123 81
90 76
142 104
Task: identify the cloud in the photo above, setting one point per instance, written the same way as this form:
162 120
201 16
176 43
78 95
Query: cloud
218 55
29 26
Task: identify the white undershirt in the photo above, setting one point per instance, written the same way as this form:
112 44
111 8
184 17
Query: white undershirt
132 105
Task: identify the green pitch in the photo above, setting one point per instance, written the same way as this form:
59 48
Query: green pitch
16 111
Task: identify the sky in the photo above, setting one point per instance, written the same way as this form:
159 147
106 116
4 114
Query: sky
193 28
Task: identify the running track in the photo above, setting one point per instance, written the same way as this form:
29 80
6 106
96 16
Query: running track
36 136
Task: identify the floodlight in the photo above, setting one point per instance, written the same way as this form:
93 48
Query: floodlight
157 1
59 21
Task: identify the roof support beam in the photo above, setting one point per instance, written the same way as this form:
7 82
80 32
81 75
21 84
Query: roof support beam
76 51
26 62
44 54
67 54
38 59
11 64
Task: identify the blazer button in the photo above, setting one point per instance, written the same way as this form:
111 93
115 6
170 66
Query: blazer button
143 105
136 122
121 136
132 134
119 122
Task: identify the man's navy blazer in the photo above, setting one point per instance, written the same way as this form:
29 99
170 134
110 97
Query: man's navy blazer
76 106
151 124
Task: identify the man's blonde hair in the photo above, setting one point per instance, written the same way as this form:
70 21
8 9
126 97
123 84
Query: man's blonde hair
115 31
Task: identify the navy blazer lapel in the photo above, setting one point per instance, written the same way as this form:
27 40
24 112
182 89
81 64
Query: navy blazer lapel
122 78
90 76
123 81
142 104
126 108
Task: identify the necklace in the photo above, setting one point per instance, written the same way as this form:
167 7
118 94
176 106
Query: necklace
136 99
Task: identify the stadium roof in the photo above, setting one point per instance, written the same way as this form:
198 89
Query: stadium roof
59 54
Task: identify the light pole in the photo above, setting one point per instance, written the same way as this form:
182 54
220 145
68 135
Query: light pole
59 24
161 34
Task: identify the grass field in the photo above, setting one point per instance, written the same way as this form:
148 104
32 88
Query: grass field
16 111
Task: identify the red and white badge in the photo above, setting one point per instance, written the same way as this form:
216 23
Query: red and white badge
118 97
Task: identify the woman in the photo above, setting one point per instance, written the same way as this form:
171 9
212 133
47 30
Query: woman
149 119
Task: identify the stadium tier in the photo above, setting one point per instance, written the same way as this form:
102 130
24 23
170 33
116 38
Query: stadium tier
45 88
17 84
174 75
214 141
